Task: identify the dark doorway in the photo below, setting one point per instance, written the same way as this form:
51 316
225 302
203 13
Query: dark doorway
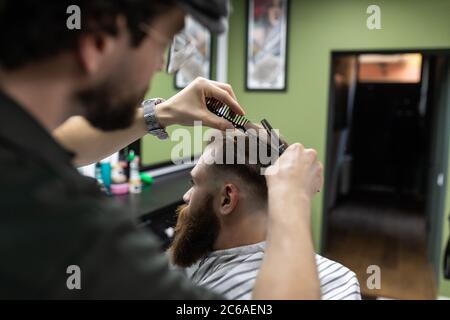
386 158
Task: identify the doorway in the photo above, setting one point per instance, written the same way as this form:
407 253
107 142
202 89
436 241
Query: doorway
385 169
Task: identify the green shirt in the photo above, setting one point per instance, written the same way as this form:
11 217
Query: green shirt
51 218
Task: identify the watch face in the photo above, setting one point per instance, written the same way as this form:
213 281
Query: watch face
163 135
160 133
153 126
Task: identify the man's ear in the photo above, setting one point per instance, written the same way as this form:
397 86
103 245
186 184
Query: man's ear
229 199
94 48
91 48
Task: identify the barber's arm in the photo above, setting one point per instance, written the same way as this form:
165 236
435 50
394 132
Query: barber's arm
289 269
91 145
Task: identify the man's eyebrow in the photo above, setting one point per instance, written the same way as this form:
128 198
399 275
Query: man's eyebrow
180 27
183 24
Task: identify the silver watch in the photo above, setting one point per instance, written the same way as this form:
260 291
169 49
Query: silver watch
153 127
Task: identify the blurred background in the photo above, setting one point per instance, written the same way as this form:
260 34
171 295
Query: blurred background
376 106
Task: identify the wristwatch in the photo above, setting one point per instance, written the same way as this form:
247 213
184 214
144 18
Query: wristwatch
153 127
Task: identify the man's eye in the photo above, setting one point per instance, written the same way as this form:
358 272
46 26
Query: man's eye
191 182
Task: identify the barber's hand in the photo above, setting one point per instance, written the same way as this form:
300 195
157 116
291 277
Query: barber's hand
189 105
296 172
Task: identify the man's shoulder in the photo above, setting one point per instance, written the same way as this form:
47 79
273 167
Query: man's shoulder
44 225
337 281
36 198
33 194
31 183
325 264
19 171
224 264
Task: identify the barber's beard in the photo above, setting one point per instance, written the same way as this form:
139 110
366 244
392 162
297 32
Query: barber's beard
105 109
195 234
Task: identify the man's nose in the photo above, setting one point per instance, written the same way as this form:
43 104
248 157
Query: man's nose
187 196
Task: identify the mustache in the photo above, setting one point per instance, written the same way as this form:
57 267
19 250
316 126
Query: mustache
181 210
181 214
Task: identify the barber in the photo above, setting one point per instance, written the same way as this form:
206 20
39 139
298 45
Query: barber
84 87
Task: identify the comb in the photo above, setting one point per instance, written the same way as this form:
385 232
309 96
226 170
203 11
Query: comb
282 144
222 110
240 122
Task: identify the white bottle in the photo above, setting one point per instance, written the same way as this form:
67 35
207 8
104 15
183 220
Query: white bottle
135 183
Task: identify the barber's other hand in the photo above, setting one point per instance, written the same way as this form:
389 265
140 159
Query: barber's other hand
189 105
296 172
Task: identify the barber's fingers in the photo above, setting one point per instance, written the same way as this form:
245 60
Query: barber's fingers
288 159
211 120
212 90
225 86
319 176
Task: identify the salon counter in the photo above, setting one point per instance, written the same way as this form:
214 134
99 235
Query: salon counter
155 206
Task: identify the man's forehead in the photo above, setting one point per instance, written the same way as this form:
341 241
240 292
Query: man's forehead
201 164
208 158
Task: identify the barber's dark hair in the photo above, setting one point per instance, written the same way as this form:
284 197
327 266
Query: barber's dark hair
248 171
32 30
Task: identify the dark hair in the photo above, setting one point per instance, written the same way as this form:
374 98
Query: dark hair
243 166
32 30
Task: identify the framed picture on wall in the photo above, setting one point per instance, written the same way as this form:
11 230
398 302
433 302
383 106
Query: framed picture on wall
267 33
196 54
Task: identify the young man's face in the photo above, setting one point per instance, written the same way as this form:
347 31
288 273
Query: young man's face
201 219
198 224
126 72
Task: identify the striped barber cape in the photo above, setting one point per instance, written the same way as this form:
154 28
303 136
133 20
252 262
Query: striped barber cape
232 273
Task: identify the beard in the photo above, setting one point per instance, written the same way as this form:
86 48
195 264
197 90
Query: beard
105 110
195 234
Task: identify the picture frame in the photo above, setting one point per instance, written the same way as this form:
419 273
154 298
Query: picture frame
199 64
267 45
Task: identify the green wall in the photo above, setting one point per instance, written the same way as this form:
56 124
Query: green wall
156 151
316 28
